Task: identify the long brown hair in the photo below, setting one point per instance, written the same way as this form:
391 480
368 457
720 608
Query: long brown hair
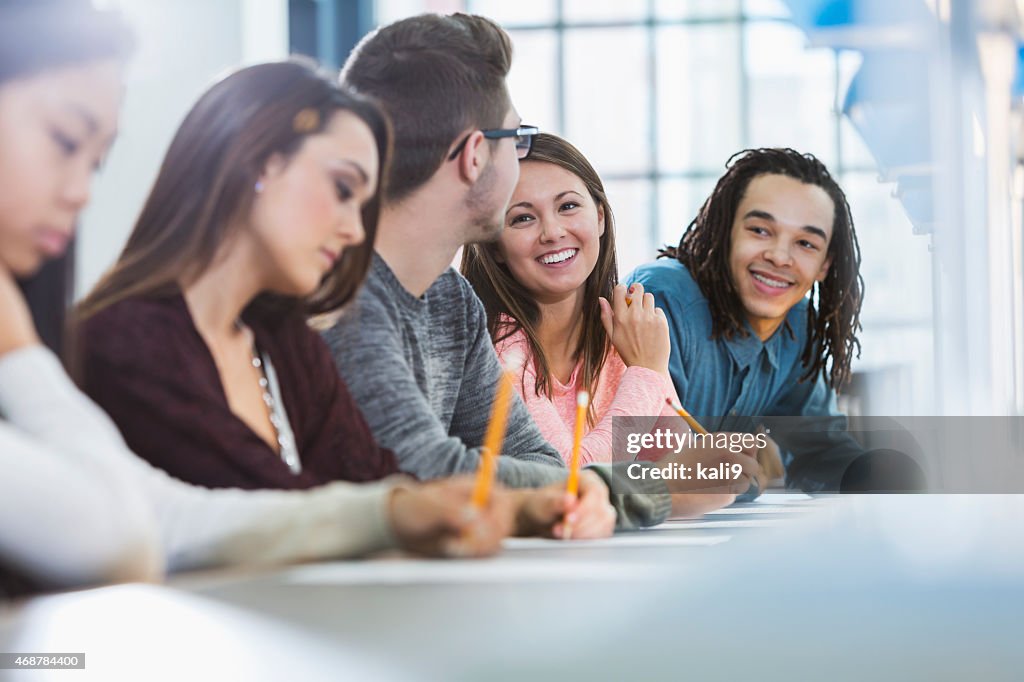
832 322
207 182
503 295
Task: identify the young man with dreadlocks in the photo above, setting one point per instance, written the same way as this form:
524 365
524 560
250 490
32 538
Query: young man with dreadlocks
747 340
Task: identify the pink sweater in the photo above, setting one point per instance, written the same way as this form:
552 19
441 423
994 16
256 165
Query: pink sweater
621 392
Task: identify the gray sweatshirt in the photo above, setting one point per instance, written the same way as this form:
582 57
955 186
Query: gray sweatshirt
424 373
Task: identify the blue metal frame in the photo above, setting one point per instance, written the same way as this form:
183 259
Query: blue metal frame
327 30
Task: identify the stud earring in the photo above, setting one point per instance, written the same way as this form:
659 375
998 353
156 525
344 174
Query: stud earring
258 186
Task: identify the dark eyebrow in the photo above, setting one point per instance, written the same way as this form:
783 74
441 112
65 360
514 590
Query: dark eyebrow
358 169
764 215
816 230
568 191
524 204
527 204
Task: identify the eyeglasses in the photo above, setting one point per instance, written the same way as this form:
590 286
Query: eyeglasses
523 134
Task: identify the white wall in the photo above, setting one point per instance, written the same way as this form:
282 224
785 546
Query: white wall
182 46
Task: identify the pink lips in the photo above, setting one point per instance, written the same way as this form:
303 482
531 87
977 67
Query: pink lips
51 242
331 256
766 289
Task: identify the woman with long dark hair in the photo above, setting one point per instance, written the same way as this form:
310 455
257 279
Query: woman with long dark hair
76 505
196 341
546 285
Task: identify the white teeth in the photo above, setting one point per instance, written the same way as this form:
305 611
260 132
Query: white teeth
778 284
552 258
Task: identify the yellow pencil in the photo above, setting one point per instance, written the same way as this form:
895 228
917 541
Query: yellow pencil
495 431
572 485
694 424
582 401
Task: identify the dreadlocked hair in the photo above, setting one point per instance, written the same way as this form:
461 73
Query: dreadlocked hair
833 312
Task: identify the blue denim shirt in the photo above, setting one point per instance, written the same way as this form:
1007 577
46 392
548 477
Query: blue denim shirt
736 384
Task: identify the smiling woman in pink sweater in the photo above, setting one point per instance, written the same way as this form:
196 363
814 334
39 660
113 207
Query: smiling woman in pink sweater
549 287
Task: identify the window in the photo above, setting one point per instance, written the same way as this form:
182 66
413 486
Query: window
659 94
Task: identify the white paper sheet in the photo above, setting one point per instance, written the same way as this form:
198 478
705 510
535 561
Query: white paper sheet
637 539
499 569
782 498
764 509
702 524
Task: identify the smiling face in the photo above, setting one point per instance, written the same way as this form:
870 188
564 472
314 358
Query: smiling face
553 229
55 130
780 239
309 208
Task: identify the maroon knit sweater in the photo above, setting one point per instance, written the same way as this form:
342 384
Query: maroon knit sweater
144 362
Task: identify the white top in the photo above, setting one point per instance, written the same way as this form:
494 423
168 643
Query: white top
76 506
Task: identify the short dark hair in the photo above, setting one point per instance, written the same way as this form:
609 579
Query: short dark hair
435 76
704 249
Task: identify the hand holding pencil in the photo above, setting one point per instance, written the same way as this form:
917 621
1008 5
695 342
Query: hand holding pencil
462 516
549 510
437 518
694 497
581 508
767 457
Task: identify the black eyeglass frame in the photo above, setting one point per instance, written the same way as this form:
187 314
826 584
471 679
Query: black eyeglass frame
524 131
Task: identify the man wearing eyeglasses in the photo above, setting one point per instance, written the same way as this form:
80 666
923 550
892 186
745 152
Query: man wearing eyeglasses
413 348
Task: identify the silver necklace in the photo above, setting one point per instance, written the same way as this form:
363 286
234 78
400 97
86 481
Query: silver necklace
276 410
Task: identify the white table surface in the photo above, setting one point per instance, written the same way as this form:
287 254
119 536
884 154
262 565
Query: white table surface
869 587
